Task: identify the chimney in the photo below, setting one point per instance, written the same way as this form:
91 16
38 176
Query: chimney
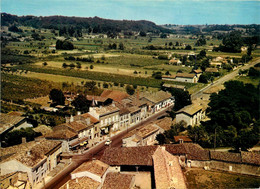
88 121
163 147
78 113
67 119
77 180
28 153
68 186
71 118
23 140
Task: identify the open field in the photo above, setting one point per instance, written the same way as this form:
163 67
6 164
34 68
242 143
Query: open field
199 178
247 79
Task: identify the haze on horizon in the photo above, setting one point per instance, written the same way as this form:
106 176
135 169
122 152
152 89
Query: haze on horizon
182 12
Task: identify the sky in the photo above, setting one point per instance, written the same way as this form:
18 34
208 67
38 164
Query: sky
181 12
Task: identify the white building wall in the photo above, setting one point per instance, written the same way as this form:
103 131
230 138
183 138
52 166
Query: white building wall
184 117
187 80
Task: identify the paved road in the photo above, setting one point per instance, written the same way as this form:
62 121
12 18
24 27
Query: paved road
222 80
95 152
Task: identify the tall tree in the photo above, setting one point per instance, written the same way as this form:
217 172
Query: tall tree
57 96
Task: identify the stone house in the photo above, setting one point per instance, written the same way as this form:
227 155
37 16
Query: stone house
142 136
37 159
191 114
186 77
107 116
157 100
95 170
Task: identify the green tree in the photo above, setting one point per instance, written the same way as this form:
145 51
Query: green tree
57 96
161 139
130 90
81 103
91 67
121 46
182 98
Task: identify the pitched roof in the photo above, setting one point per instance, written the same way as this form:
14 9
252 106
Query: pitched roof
167 170
97 98
7 121
147 130
193 151
115 180
95 166
30 153
197 71
93 120
141 155
183 138
106 110
190 109
185 75
164 123
76 125
115 95
82 183
61 134
212 70
156 97
250 158
226 156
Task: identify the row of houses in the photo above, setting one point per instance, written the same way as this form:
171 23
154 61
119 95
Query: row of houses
192 77
84 130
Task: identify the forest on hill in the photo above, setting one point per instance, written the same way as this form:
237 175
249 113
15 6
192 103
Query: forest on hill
93 24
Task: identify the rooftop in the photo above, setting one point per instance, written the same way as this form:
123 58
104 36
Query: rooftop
97 98
30 153
250 158
82 183
225 156
115 180
185 75
7 121
164 123
107 109
190 109
211 70
93 120
141 155
147 130
167 170
115 95
183 138
61 134
156 97
95 166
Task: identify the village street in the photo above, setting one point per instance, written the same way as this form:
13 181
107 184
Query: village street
95 152
222 80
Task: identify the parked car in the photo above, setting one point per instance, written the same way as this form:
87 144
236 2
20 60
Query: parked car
108 142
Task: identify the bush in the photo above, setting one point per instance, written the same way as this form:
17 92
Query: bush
130 90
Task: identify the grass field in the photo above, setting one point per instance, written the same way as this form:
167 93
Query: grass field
246 79
199 178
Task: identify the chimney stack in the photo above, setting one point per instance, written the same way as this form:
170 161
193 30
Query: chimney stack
71 118
23 140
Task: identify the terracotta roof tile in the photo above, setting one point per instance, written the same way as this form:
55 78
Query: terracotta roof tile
185 75
167 170
81 183
61 134
141 155
8 121
96 167
164 123
226 156
115 95
251 158
118 181
156 96
183 138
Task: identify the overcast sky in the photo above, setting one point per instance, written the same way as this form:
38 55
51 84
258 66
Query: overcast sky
158 11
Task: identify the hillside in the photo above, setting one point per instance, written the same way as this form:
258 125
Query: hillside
96 24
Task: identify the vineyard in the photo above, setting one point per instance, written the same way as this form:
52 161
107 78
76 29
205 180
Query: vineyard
99 76
17 88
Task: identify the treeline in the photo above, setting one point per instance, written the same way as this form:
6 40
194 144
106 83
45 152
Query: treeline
95 24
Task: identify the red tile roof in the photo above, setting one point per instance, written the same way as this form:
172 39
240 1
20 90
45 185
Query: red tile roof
250 158
141 155
183 138
115 95
226 156
92 119
115 180
61 134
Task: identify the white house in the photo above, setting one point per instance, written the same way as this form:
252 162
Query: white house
191 114
36 158
186 77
